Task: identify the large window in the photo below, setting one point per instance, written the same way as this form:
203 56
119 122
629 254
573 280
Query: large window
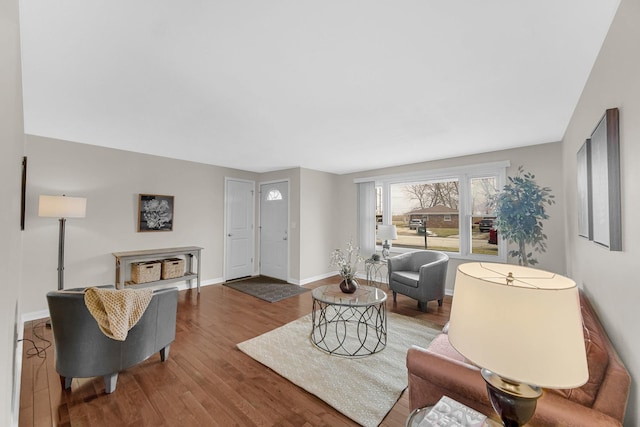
425 214
449 210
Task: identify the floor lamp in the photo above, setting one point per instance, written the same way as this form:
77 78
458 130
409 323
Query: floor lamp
62 207
523 326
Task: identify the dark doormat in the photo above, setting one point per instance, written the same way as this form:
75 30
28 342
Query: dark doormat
267 289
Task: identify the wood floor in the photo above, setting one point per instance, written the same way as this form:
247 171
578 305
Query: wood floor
206 381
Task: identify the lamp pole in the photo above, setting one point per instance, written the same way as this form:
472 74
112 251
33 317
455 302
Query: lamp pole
62 207
61 255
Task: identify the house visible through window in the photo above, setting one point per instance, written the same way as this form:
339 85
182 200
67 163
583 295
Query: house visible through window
419 210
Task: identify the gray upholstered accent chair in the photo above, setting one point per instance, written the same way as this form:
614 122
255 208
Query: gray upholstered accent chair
82 350
420 275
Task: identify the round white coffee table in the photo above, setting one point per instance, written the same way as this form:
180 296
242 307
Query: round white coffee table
349 325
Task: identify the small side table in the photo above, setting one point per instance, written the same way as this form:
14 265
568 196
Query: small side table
377 271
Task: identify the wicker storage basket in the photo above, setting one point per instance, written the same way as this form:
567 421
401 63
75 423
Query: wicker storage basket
172 268
143 272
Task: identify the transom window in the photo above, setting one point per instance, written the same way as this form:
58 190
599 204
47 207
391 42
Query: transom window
274 194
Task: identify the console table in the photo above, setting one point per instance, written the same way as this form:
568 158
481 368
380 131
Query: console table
124 259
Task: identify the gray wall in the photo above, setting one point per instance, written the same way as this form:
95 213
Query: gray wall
545 161
111 181
610 278
319 215
11 152
323 212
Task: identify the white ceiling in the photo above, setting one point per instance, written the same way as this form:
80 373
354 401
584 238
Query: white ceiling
337 86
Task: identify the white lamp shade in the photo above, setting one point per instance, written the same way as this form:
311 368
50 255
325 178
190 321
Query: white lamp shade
62 207
528 331
387 232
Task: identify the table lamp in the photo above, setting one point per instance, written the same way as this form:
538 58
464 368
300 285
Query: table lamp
62 207
386 233
523 327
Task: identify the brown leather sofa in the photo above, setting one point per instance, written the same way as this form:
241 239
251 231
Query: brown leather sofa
440 370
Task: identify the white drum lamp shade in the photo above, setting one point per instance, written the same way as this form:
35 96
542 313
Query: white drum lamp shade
387 232
62 207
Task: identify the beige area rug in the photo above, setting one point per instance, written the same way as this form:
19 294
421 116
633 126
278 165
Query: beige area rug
364 389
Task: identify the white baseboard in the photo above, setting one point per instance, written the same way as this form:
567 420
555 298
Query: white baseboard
18 335
183 286
34 315
313 279
15 410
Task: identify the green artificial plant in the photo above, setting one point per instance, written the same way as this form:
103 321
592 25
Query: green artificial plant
520 209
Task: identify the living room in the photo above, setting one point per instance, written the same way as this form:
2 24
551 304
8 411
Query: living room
112 179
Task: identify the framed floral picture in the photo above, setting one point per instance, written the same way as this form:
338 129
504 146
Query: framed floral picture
155 212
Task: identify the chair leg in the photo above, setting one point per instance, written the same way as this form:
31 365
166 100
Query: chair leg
110 382
394 296
439 303
423 306
164 353
66 381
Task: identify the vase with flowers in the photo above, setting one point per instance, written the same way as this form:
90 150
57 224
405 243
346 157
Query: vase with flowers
347 263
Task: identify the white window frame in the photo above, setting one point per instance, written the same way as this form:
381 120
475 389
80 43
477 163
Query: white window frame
463 174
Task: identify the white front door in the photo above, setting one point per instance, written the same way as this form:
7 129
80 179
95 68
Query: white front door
239 233
274 230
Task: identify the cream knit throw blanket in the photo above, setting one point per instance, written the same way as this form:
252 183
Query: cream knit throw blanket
115 310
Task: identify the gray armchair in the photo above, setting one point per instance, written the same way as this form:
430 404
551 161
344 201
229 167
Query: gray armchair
420 275
82 350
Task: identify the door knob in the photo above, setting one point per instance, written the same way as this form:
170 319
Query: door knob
229 235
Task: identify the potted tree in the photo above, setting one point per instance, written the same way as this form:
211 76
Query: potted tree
520 209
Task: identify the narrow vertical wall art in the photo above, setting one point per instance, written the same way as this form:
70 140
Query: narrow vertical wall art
23 193
583 168
605 182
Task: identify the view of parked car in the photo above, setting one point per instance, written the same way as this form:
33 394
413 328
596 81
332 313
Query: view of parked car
493 236
414 224
485 225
